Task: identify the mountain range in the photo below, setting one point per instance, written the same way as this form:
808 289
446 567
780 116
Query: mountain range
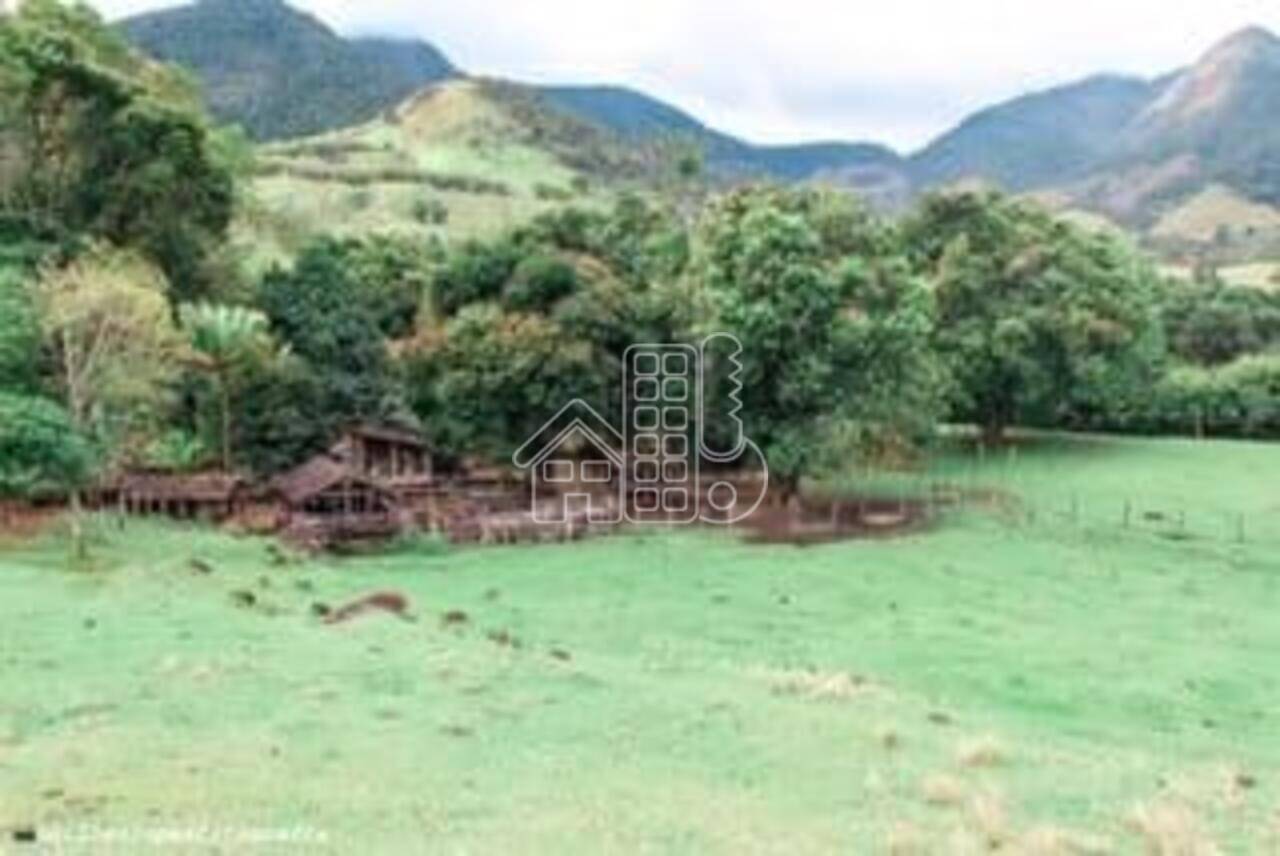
1131 149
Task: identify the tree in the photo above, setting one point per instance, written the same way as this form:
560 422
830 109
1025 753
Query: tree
487 380
106 321
40 450
105 143
19 335
282 417
1038 322
836 332
225 341
539 282
474 273
394 276
317 310
1214 323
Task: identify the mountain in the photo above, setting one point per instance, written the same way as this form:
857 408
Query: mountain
280 72
876 171
1135 151
1224 113
1045 138
1189 161
283 74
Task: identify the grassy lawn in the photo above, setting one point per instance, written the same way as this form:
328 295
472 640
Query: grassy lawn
1037 676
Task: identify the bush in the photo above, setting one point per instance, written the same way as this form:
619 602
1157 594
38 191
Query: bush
41 453
539 282
430 212
476 272
551 193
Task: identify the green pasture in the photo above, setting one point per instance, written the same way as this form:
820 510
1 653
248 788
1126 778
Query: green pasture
1038 673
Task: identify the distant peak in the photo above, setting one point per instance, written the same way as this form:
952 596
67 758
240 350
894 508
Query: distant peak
258 4
1247 41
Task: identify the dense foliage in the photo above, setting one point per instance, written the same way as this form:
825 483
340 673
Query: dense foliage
102 143
1038 322
129 335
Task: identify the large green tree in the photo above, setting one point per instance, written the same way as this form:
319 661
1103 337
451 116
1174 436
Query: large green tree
102 142
486 380
318 310
834 326
1038 321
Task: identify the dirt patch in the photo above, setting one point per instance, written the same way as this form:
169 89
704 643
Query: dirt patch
386 603
22 522
814 520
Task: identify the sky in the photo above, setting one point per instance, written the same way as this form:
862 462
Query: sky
898 72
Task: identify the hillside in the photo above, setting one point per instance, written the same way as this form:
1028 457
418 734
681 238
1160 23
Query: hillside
874 170
1187 161
280 72
283 74
1225 112
1040 139
462 158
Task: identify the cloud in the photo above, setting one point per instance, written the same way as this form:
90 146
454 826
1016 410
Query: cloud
898 72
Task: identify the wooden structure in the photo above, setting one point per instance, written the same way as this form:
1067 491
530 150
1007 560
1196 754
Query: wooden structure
327 500
394 457
210 495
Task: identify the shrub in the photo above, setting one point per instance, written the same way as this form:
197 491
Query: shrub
539 282
40 451
430 212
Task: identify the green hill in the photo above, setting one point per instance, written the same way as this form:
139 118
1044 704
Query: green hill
1040 139
282 73
463 158
637 116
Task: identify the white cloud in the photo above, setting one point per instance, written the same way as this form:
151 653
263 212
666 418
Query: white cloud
785 70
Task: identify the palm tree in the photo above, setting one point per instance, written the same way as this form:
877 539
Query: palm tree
224 340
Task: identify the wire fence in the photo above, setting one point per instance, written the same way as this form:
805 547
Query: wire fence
1024 504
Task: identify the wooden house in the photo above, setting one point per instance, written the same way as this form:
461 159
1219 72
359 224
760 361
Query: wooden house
392 456
327 500
210 495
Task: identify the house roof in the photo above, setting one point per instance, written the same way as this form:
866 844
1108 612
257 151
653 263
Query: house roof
316 476
388 432
209 486
575 417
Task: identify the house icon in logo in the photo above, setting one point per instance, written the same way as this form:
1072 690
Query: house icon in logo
575 467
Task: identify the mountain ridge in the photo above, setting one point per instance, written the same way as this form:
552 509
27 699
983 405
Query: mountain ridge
1127 147
281 72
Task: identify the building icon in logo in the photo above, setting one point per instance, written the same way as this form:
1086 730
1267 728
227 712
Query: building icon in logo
678 458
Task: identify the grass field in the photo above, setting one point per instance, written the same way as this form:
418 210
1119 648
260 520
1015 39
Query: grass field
1040 674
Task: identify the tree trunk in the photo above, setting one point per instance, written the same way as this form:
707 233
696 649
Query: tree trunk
993 433
79 544
226 426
